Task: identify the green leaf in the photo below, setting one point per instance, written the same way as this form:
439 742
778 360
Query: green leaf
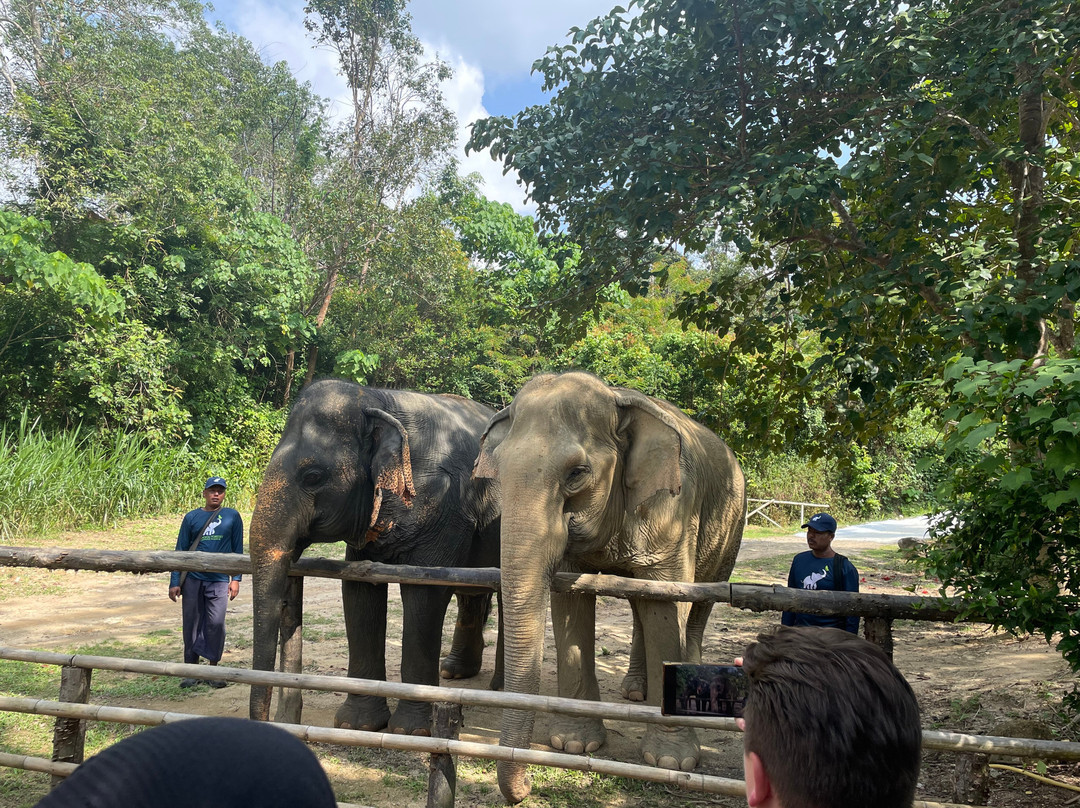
1055 500
1016 478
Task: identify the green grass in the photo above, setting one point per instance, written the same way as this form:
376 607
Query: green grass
24 734
79 479
770 569
751 532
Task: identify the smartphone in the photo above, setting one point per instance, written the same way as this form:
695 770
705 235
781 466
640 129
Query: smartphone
710 690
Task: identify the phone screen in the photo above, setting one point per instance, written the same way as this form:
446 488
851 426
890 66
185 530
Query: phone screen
709 690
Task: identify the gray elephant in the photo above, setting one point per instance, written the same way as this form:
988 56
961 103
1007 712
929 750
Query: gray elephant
600 479
388 473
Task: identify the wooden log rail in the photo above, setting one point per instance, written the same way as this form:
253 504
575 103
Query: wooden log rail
753 597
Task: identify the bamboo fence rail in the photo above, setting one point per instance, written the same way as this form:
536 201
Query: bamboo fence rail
708 784
931 739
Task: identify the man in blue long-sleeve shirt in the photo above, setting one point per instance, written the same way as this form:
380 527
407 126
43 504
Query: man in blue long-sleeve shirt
205 594
821 567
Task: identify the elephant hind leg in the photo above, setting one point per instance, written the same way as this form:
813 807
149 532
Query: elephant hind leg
695 631
635 685
466 655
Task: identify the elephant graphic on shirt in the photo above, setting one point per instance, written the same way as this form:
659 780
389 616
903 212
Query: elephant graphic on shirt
810 581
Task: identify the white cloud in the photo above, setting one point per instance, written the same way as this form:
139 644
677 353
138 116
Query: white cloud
278 34
484 41
464 95
503 39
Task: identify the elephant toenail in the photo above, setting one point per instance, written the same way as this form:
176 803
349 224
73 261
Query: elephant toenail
556 741
689 764
650 758
593 746
575 747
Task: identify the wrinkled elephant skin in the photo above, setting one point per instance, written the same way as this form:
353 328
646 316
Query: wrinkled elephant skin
599 479
388 473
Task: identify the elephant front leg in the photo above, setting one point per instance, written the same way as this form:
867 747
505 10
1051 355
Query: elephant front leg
365 626
466 655
574 621
421 644
664 629
635 684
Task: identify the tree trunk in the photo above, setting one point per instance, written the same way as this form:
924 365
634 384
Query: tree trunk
1028 183
290 366
320 318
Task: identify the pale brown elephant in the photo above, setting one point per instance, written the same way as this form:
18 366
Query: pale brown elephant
593 478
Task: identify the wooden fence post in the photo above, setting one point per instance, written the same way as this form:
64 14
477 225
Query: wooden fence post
971 785
879 631
69 734
442 775
291 699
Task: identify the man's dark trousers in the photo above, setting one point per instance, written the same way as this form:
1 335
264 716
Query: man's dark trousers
204 618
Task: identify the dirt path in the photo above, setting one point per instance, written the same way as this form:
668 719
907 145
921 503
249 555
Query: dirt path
967 678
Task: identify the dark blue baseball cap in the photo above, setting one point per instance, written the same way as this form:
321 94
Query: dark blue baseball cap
221 481
822 523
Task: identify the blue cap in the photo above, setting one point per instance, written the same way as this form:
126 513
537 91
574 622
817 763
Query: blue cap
822 523
221 481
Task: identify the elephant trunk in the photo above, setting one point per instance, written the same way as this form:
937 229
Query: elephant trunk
530 554
272 539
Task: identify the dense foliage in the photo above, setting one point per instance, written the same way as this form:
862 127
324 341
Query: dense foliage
902 183
187 239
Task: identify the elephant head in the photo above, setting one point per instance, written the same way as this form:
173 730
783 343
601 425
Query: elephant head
339 458
574 458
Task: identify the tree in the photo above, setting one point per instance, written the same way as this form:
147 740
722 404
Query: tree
46 298
141 141
903 176
398 133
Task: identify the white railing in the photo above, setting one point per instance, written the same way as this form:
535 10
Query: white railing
765 503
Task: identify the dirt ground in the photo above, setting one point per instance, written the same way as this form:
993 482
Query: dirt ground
967 678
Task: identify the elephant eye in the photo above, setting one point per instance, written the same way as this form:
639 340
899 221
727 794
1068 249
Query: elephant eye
312 477
577 476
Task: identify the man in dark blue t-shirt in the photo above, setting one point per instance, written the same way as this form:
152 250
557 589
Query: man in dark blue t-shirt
217 530
821 567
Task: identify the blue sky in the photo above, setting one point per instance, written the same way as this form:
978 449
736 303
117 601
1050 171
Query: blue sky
490 44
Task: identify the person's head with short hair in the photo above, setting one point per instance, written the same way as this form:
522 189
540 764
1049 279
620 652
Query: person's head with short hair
829 722
214 493
820 532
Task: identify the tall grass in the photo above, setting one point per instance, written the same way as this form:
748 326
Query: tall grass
76 479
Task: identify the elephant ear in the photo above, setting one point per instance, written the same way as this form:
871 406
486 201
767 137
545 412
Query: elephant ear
485 467
654 448
391 467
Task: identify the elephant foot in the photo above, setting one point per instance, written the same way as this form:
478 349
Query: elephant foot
577 737
634 687
671 748
497 681
368 713
411 718
462 663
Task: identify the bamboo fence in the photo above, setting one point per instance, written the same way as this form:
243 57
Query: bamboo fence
636 713
879 611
